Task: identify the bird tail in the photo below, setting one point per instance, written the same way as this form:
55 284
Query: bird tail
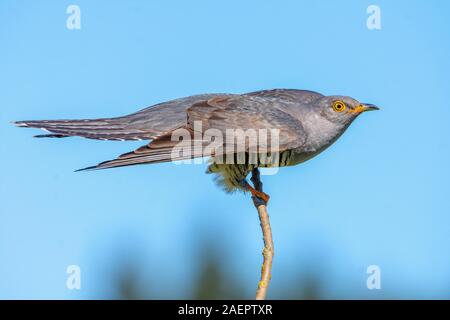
118 129
148 154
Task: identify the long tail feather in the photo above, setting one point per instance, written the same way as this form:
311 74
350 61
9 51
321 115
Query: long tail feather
102 129
144 155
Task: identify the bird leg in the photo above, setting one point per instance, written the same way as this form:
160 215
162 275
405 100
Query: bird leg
259 197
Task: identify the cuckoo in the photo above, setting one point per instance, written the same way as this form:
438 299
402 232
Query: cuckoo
306 123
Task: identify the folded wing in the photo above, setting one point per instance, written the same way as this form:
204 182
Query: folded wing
221 113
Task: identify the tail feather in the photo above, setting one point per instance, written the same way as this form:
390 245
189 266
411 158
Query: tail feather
102 129
145 155
50 136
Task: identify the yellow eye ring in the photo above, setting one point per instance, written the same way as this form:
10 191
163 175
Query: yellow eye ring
339 106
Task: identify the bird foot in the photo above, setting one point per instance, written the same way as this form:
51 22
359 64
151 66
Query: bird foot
257 194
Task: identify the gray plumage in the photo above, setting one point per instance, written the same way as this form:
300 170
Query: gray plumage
307 122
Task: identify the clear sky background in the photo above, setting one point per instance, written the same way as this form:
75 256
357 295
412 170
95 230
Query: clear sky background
379 196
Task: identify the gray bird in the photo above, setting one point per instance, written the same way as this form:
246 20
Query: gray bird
308 123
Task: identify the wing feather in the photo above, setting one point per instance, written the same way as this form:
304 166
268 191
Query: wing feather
220 113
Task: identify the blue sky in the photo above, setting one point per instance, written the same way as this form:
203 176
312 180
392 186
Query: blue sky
377 196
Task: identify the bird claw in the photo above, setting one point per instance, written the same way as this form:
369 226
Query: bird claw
259 195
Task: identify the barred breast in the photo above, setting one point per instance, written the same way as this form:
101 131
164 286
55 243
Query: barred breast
230 177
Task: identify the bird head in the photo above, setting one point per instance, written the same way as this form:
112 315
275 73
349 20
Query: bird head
342 110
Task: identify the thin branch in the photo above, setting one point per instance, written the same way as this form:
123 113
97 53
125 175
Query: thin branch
268 251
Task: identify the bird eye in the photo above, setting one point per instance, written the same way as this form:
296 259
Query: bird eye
339 106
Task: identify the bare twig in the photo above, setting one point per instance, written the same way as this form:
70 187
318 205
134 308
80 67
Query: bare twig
268 251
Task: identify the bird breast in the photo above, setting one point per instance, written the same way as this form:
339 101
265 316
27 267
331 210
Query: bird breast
321 133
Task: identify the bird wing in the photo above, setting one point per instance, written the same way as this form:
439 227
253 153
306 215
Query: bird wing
249 113
293 95
153 121
145 124
220 113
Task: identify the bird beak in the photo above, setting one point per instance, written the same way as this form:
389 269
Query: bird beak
363 107
368 107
